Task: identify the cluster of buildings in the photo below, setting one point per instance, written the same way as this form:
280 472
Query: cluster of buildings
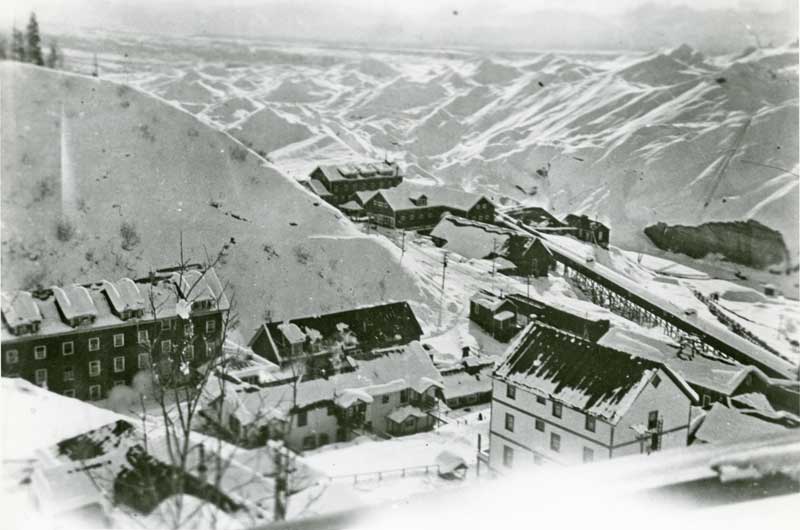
573 390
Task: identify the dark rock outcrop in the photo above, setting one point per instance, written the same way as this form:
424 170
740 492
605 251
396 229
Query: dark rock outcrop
747 243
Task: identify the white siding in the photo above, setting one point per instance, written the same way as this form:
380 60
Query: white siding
673 407
319 422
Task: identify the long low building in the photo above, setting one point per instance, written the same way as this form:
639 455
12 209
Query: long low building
421 207
338 184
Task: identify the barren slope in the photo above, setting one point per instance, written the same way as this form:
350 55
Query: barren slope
128 157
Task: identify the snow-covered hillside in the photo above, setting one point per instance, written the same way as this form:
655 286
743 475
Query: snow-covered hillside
87 156
635 139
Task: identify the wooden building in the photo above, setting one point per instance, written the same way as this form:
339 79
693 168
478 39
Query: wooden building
494 313
339 184
392 391
82 340
421 208
588 230
352 332
558 398
467 382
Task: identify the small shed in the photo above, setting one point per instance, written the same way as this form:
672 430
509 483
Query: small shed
451 466
495 314
408 420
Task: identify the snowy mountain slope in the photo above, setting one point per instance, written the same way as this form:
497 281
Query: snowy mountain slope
634 139
87 156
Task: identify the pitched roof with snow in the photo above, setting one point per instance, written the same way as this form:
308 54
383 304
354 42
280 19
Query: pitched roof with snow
579 373
362 170
403 413
104 301
19 309
394 370
714 373
402 197
461 383
723 424
471 239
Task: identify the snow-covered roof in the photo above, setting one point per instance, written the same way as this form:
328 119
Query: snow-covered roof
723 424
504 315
74 301
400 197
462 384
361 170
292 332
714 373
97 300
20 309
471 239
581 374
392 371
403 413
488 300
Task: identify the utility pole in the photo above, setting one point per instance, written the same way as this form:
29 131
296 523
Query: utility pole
444 272
403 246
281 483
494 254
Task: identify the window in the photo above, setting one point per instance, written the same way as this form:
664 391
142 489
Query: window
588 454
70 392
556 409
94 368
656 380
508 456
166 325
555 442
539 425
94 392
41 376
142 336
652 419
541 400
69 374
211 326
308 442
590 423
12 357
67 348
144 361
94 344
706 400
119 364
189 351
385 399
119 340
166 346
509 422
404 396
302 418
511 392
40 352
331 410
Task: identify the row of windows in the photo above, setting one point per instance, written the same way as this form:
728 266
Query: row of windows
95 369
68 347
557 411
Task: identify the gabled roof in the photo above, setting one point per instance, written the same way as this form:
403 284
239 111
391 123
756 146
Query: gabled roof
393 370
461 383
400 197
20 309
488 300
319 188
723 424
352 171
714 373
580 374
124 295
74 301
471 239
376 326
403 413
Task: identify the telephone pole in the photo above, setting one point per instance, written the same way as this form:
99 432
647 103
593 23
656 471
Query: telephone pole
403 246
444 273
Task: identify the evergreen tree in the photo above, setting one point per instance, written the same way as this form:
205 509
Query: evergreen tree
17 45
33 50
54 57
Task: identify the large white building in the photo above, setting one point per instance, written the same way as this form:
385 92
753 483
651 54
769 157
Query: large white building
558 398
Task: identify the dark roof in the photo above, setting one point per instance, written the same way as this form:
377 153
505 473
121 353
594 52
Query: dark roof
578 373
535 215
583 221
373 326
517 247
